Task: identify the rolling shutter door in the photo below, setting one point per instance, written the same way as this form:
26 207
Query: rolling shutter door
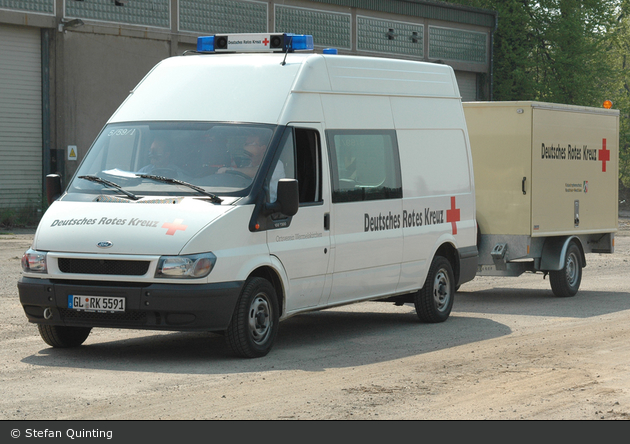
467 82
20 117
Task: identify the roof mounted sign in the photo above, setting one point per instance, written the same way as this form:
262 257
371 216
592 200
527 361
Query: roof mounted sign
276 42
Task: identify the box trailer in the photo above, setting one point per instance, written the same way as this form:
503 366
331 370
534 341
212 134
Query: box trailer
546 181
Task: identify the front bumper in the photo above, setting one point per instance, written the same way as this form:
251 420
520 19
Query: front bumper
198 307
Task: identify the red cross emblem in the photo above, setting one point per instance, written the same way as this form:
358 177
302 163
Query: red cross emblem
266 41
604 155
171 228
452 215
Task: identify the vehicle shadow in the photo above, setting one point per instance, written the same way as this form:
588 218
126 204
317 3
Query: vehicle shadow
310 342
343 337
536 302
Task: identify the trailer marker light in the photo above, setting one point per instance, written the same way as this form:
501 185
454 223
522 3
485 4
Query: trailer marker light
608 104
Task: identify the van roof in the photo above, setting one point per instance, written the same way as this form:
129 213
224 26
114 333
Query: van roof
256 87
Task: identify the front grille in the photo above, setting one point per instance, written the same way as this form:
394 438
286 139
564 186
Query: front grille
102 266
132 317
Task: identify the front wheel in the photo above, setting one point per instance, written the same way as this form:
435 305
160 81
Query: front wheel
566 282
63 337
254 324
434 300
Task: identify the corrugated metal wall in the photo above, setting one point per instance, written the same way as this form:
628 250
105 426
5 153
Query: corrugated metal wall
20 117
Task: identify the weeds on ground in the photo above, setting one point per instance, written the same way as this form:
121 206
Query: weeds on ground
21 217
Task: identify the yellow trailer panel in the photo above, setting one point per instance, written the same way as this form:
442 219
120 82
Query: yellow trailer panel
544 169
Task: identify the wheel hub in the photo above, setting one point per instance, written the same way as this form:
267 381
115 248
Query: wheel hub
259 320
571 270
441 290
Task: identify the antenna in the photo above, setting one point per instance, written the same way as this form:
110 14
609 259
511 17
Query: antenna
286 51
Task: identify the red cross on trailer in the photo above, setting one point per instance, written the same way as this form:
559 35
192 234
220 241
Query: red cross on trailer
266 41
453 215
604 155
173 227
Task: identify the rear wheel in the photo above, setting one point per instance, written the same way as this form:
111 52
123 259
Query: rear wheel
254 324
63 337
566 282
434 300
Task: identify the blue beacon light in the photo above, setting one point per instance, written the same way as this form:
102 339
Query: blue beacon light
299 42
205 44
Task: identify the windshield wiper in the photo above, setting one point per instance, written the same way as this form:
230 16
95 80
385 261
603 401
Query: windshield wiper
111 185
213 197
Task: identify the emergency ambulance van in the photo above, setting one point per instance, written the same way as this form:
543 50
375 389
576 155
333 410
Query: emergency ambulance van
255 180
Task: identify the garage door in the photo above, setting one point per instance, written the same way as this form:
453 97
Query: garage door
20 117
467 82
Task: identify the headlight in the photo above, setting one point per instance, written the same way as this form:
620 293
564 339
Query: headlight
34 261
185 267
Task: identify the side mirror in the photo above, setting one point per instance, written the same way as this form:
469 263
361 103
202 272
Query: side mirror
53 187
287 201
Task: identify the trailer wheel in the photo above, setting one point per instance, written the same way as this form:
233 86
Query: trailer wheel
63 337
566 282
434 300
254 325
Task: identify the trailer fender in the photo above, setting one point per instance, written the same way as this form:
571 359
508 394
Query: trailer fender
555 250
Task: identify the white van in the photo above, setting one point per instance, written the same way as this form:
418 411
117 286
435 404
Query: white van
242 185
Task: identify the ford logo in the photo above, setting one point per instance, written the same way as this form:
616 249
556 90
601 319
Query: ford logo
104 244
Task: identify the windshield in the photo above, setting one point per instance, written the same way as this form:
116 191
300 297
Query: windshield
219 158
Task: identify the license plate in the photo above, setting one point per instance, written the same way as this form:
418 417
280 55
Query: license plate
96 303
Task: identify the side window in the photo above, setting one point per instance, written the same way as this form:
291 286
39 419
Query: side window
300 158
364 165
308 165
283 168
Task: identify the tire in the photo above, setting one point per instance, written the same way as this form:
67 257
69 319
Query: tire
434 301
63 337
566 282
254 324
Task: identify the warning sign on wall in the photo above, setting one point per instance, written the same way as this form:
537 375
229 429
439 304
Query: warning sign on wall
72 152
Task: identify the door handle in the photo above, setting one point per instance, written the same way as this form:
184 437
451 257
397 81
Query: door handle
326 221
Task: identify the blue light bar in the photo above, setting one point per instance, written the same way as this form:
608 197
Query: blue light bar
277 42
299 42
205 44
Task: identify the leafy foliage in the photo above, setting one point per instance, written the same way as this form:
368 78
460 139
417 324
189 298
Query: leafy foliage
564 51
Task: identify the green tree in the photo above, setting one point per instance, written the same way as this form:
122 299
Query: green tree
573 41
565 51
552 50
514 44
619 92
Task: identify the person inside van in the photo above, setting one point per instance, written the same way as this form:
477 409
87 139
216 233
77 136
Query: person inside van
208 153
249 159
160 158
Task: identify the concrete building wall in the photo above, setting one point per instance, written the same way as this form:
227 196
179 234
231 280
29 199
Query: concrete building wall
95 51
96 75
